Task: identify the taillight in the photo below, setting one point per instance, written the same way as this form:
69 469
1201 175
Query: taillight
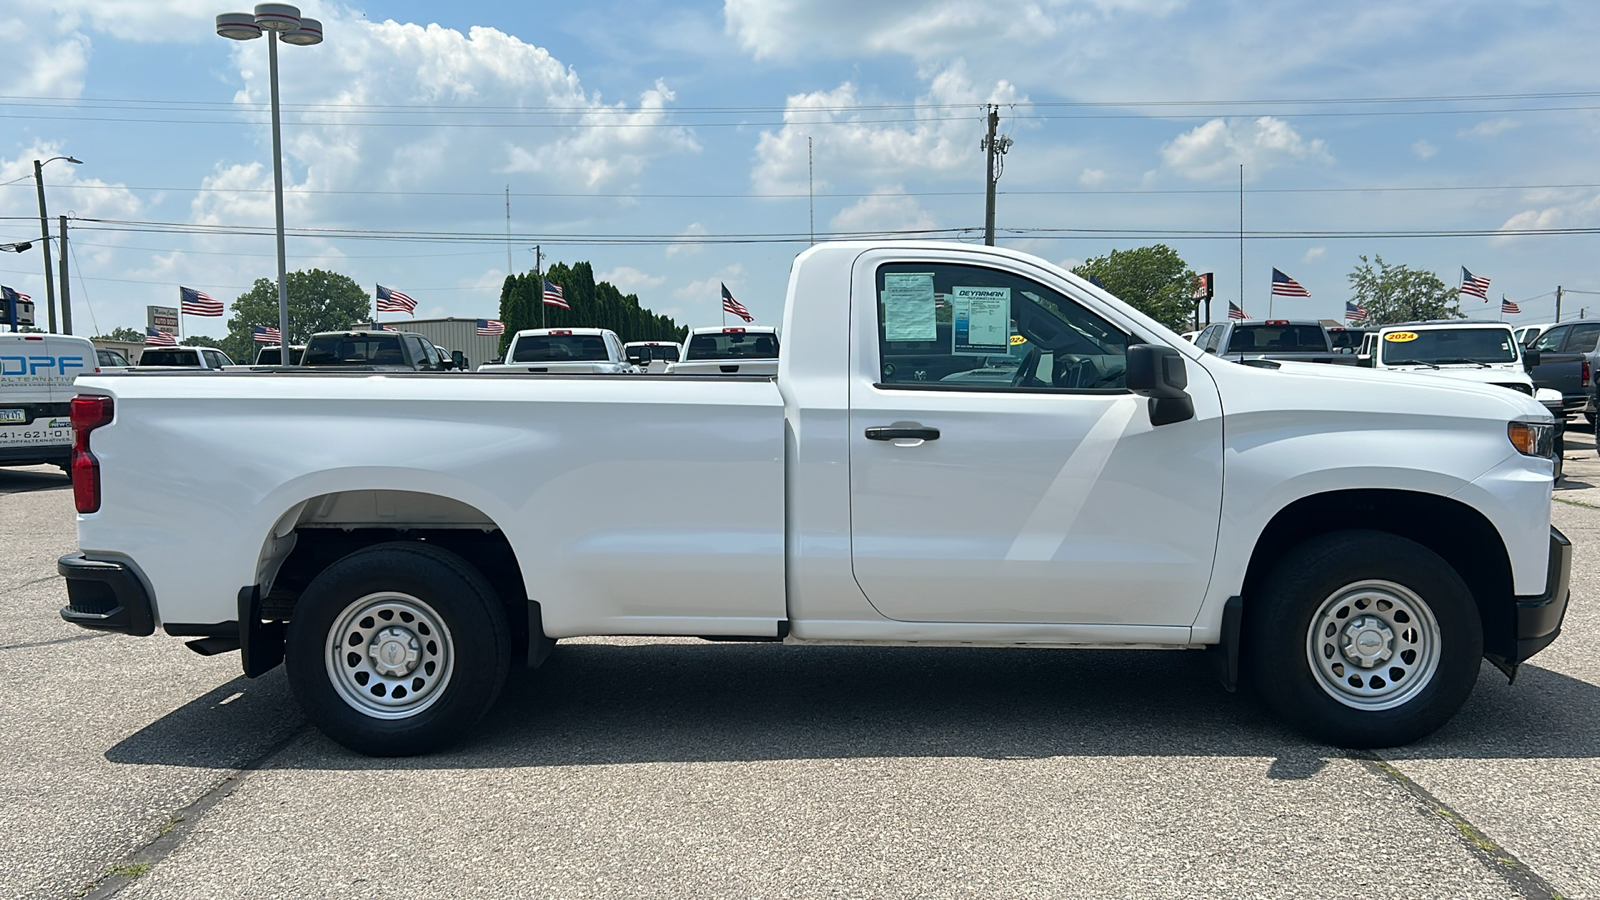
1584 378
88 412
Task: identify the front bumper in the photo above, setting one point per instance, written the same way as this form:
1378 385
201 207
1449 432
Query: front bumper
105 596
1539 618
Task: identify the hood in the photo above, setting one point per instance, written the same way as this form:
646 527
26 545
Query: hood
1293 385
1495 375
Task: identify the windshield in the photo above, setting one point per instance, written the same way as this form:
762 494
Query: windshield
733 345
355 350
1345 338
1445 346
1278 339
175 356
538 348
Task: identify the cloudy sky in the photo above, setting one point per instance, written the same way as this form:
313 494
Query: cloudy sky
666 141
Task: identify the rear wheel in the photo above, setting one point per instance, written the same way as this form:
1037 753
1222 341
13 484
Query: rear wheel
397 648
1363 639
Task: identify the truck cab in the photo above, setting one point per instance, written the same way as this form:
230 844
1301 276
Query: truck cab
381 349
209 358
1296 340
563 351
729 350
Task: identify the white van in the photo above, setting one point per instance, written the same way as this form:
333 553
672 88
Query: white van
36 373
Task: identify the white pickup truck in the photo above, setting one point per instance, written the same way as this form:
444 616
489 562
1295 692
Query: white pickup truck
729 350
1352 541
563 351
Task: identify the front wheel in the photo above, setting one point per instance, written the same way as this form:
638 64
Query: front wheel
396 649
1363 639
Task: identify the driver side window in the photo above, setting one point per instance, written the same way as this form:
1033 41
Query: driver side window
969 328
1550 341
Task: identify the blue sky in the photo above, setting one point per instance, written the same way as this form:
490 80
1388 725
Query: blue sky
636 123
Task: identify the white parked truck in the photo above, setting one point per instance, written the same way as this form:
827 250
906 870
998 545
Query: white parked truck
729 350
36 374
563 351
1354 541
652 357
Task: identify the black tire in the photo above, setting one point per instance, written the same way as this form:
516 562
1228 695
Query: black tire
430 610
1337 699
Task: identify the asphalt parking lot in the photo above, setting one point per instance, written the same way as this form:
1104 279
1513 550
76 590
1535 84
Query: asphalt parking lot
664 768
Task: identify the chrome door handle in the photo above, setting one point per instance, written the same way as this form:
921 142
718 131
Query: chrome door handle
902 433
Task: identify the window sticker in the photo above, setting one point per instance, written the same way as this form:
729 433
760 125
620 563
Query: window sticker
908 307
1400 337
982 320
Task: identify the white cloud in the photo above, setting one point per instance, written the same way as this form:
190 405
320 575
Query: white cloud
44 56
849 145
1571 211
793 29
702 298
1423 149
69 193
1314 253
888 209
1490 127
1217 148
694 229
1092 177
629 280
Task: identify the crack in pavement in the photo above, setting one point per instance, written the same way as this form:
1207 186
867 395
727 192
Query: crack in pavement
178 826
1495 858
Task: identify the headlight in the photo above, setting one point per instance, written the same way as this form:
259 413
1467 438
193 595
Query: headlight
1533 438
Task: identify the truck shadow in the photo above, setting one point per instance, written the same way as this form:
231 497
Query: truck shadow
33 478
598 704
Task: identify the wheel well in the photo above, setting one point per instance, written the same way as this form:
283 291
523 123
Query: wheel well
1459 534
330 527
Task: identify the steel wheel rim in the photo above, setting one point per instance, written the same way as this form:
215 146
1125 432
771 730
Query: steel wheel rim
389 655
1373 645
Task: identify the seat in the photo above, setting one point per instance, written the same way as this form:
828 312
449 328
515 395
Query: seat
764 347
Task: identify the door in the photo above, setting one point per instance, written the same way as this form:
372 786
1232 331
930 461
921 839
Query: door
1025 484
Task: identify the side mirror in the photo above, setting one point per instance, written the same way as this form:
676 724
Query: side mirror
1530 358
1158 372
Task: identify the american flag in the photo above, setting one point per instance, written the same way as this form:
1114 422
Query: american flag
8 293
1284 286
1474 285
391 300
155 337
197 303
491 327
1354 312
1234 312
1506 306
553 296
731 305
266 334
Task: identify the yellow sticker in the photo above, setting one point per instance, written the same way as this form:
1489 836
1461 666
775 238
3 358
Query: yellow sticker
1400 337
1018 339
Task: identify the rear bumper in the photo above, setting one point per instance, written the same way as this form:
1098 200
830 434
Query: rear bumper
1539 618
105 596
30 454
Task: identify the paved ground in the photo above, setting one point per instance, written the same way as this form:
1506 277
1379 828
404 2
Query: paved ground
679 768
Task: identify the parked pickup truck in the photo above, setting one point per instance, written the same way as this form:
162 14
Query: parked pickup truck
1296 340
381 349
184 358
743 350
1567 360
1354 541
563 351
651 356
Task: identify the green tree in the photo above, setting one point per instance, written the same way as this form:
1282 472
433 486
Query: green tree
594 305
126 335
1399 293
318 301
1154 280
199 340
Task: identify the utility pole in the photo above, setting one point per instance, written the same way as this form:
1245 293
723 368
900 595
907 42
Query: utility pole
1558 303
994 148
44 230
811 192
538 274
508 232
66 292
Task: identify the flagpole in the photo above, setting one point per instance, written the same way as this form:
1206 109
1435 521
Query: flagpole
538 273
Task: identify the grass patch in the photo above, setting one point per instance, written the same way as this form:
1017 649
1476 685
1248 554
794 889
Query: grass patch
1575 503
129 871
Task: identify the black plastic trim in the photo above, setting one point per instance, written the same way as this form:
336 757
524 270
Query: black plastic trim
1539 618
995 389
260 643
539 646
1225 653
215 629
51 454
88 580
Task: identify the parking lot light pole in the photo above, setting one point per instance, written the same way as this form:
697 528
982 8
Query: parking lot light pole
44 234
277 20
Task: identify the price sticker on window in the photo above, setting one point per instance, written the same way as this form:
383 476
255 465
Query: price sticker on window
1400 337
